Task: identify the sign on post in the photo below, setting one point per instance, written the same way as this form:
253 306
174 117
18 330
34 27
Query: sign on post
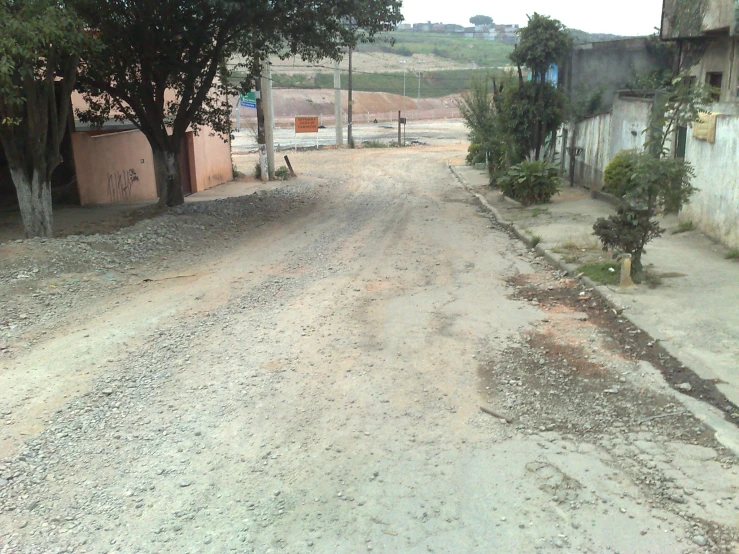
248 100
306 125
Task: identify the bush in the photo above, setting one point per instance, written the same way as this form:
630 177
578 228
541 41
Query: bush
257 171
628 232
618 173
531 182
282 173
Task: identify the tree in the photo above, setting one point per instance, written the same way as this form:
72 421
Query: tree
653 181
40 46
163 62
544 42
481 20
478 111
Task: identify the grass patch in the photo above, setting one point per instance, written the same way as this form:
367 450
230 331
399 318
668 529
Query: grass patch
375 144
732 254
604 273
536 212
282 173
535 240
584 243
683 227
485 53
434 84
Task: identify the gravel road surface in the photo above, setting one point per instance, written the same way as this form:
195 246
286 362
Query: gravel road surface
303 370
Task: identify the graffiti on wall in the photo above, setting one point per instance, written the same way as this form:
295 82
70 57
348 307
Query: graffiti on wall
120 184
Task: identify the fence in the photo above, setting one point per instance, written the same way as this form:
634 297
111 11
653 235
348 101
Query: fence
248 117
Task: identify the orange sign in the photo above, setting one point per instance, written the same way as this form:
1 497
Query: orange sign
306 125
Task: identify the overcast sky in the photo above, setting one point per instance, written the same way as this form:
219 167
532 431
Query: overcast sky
625 17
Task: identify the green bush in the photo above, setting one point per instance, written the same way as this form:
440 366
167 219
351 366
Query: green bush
531 182
628 232
257 171
618 173
282 173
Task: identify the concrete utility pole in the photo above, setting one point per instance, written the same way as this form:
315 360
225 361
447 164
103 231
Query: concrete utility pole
405 70
261 140
337 105
269 118
418 102
349 106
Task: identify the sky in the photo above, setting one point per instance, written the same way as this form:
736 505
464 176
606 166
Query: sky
625 17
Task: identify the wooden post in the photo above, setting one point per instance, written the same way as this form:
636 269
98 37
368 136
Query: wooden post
289 166
400 137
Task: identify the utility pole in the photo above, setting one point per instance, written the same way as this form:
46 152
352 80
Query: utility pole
418 102
405 70
337 106
349 137
261 139
269 117
400 136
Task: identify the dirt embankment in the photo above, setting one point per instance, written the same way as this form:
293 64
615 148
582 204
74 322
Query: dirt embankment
291 102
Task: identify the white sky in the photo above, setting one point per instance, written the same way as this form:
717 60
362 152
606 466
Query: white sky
625 17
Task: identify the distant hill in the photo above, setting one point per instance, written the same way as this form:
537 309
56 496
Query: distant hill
581 37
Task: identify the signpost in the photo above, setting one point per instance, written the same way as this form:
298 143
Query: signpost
307 125
248 100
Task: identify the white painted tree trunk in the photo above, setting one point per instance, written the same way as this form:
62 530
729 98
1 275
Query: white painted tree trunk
34 199
167 169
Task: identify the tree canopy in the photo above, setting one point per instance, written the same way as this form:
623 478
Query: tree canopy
543 42
163 62
481 20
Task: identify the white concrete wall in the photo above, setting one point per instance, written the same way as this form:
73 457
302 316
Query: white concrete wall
603 136
715 208
630 117
593 136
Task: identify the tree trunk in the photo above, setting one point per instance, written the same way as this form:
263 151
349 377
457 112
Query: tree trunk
34 199
167 172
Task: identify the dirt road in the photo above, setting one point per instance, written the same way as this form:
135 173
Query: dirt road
309 379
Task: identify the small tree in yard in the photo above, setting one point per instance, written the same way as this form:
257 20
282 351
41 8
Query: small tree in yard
163 62
652 182
478 111
543 42
40 46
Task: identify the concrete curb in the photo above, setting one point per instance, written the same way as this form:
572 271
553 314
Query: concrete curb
726 433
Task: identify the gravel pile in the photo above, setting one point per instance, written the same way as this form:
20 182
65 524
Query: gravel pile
42 278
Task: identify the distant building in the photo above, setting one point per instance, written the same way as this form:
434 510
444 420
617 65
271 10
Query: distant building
404 27
451 28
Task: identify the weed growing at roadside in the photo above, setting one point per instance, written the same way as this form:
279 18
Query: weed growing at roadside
282 173
374 144
257 171
535 240
684 227
732 254
604 273
536 212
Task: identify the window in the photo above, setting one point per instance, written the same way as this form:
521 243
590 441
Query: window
682 140
715 79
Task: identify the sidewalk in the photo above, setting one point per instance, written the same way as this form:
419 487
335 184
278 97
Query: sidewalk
692 311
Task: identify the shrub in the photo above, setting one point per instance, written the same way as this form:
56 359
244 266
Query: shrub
628 232
257 171
531 182
282 173
617 176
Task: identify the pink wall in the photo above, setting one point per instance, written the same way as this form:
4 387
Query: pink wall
114 168
210 160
